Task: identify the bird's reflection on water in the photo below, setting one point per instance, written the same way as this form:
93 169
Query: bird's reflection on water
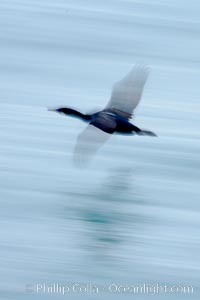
111 214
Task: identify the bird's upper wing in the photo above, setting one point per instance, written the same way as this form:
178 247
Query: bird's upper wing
127 92
88 143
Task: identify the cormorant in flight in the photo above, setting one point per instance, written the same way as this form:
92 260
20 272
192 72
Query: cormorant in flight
114 118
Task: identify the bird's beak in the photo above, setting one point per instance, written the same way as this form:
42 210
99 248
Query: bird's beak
51 109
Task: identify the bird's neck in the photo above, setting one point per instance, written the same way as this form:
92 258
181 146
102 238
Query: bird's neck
76 114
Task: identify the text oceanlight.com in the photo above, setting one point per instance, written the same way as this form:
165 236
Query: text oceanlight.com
114 288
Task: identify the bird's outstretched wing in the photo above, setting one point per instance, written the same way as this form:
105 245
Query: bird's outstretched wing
88 143
127 92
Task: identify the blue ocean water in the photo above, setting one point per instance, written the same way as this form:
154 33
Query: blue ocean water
132 216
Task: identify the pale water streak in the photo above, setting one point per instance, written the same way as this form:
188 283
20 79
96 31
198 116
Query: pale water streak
132 216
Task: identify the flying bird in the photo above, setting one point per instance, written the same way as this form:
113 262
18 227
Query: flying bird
115 117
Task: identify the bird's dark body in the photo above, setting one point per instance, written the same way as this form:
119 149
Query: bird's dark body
109 122
112 123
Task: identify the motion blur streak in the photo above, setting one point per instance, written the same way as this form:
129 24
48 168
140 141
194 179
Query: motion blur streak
88 143
133 215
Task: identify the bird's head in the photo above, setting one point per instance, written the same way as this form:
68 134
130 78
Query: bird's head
61 110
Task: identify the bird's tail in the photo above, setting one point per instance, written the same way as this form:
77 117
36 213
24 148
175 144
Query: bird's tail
146 132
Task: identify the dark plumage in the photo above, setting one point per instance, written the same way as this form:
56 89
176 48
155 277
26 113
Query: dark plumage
125 97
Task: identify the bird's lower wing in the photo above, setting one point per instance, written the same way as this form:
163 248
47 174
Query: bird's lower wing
88 143
127 92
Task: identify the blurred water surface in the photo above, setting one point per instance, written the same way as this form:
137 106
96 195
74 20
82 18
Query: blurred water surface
132 216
